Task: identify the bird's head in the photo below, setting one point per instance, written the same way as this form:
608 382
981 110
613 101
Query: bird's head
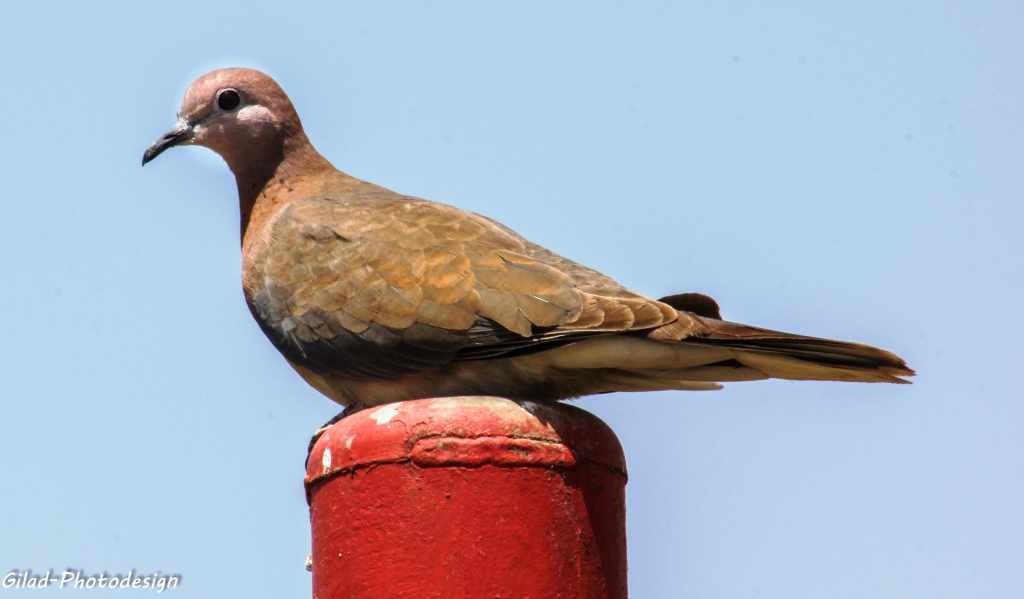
238 113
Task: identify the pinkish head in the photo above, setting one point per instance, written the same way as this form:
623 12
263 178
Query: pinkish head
234 112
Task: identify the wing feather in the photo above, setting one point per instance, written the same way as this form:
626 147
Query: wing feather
353 287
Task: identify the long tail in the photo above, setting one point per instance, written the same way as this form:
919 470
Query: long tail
773 354
700 352
796 357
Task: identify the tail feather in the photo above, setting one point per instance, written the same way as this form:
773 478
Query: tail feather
719 373
796 357
779 365
700 352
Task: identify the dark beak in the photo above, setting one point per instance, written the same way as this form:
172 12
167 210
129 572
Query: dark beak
181 133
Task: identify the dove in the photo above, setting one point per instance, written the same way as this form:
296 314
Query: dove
376 297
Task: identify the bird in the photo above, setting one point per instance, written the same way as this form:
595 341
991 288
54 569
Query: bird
376 297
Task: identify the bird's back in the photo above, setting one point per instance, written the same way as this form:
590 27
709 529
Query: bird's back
363 281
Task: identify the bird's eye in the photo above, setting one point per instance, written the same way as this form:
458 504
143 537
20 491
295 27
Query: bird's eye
228 99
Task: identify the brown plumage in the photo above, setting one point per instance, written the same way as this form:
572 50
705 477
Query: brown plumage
376 297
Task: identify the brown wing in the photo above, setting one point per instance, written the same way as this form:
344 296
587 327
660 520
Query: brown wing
383 287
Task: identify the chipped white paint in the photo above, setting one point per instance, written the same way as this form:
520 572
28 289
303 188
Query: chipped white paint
385 414
326 461
348 442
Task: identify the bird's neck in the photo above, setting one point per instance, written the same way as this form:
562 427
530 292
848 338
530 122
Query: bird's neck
267 176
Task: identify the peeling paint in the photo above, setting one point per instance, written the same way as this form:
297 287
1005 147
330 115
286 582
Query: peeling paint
348 442
326 461
385 414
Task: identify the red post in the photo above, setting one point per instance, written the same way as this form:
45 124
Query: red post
474 497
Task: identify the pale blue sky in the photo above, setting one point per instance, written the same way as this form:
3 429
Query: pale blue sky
848 170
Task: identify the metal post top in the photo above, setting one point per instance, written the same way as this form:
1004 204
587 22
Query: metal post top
465 432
